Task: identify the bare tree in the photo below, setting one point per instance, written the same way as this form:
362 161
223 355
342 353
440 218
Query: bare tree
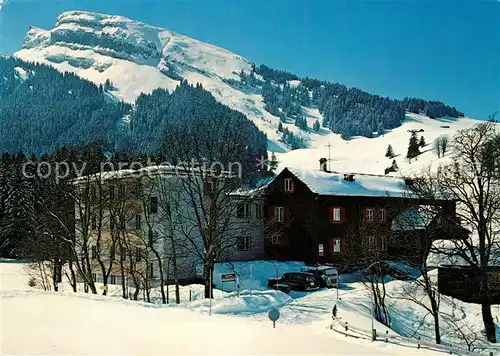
441 145
373 241
105 242
214 158
80 245
158 219
423 220
463 331
472 180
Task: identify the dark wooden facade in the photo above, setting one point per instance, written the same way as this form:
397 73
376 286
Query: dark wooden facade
462 282
310 232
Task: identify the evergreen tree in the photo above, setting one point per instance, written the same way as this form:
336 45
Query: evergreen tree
19 216
108 85
390 152
316 126
421 143
280 127
273 163
413 146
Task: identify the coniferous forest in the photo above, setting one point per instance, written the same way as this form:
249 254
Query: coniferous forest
347 111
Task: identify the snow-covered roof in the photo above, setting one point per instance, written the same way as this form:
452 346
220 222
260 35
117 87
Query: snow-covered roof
333 183
155 170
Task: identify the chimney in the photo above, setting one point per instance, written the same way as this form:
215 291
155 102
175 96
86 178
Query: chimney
322 164
349 177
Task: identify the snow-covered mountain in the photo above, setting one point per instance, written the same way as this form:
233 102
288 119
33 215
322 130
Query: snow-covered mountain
139 58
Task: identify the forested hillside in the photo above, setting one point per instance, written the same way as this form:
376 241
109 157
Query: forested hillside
42 110
348 111
159 116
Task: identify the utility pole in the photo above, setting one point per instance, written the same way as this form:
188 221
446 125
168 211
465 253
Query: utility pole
329 159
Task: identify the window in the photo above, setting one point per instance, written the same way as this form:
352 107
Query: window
93 222
336 245
243 210
259 211
383 214
277 240
138 222
383 243
94 277
112 279
151 270
279 213
335 214
121 190
153 205
371 242
150 236
123 254
369 214
94 252
289 186
138 254
112 192
243 243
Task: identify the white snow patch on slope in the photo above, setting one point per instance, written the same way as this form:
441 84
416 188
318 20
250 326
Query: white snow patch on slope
367 155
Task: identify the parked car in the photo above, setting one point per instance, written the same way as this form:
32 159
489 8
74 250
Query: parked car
299 281
327 276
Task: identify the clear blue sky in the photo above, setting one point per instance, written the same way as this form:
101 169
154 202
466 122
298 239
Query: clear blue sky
443 50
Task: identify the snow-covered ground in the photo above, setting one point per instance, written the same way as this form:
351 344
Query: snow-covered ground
64 323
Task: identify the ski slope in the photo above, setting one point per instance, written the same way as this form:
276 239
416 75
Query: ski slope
132 73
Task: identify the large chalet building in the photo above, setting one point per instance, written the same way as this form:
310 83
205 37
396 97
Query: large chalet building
345 219
135 223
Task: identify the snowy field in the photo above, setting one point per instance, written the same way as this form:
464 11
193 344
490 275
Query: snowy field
66 323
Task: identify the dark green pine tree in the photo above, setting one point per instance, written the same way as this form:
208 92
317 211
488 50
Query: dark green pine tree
316 126
273 163
4 166
413 146
390 152
280 127
422 142
19 217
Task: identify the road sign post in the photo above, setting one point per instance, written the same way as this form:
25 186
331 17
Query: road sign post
274 315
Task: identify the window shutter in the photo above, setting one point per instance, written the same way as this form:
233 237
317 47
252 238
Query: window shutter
330 246
344 244
364 215
342 214
287 213
330 214
270 212
293 185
